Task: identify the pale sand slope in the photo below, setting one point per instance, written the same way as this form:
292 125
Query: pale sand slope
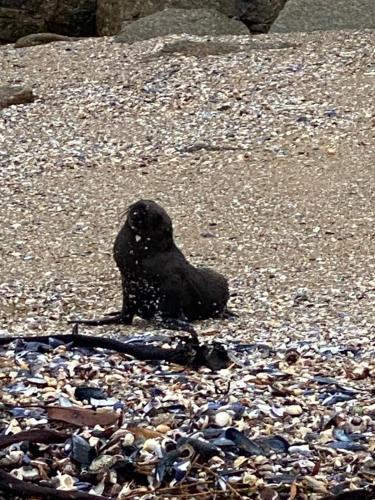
288 181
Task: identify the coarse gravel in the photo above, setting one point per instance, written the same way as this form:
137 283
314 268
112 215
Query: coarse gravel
263 158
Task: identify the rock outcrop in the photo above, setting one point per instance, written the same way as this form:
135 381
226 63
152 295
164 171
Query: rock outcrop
73 18
256 14
260 14
199 22
19 18
308 15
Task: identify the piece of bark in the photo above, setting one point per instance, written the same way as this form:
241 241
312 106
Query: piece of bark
45 436
82 417
144 433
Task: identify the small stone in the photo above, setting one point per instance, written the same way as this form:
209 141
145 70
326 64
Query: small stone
128 439
18 94
151 445
65 482
163 429
249 479
294 410
223 419
331 151
291 356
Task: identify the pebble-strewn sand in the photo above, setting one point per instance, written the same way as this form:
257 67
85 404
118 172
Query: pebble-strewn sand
265 160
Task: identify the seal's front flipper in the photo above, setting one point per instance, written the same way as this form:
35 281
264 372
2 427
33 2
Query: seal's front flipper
112 319
228 314
177 324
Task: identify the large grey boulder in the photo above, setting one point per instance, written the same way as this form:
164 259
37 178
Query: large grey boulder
73 18
325 15
19 18
258 15
197 22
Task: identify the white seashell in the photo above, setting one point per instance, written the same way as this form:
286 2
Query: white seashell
125 491
293 410
65 482
163 428
223 419
101 463
240 461
128 439
151 445
249 479
93 441
203 422
26 472
14 457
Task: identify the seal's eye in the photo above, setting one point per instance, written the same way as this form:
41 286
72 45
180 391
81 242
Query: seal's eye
139 215
136 216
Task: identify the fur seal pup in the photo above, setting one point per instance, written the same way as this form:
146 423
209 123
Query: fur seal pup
157 280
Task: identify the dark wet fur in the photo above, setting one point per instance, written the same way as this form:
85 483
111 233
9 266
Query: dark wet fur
157 280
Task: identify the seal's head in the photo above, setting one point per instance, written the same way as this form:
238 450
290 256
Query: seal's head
149 222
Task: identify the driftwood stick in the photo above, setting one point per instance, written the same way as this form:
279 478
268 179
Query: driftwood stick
186 353
45 436
23 489
140 351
